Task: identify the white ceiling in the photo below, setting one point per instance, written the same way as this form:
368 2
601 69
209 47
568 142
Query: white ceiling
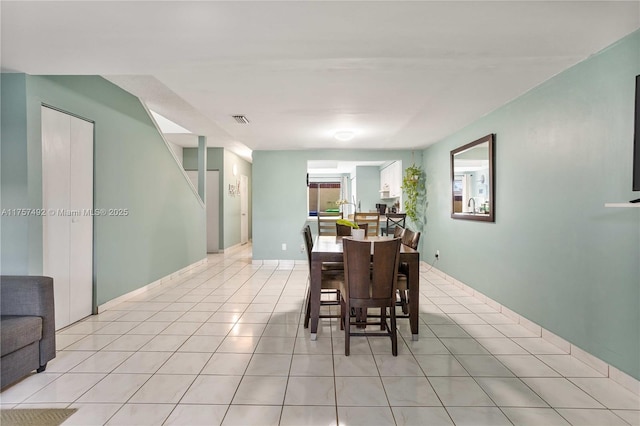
401 74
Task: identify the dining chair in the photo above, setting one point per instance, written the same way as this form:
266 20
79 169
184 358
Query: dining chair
372 219
369 282
410 239
345 230
332 280
398 232
394 220
327 222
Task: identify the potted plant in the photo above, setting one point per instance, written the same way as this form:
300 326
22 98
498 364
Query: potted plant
413 186
356 232
348 223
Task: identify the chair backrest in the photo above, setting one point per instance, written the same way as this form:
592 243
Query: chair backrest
371 219
308 242
398 232
327 223
395 220
345 230
410 238
371 280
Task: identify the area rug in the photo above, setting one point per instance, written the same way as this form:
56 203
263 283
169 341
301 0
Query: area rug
35 416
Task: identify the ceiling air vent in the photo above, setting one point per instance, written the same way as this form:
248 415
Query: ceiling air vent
241 119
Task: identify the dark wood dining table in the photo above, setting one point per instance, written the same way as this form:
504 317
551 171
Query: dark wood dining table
330 249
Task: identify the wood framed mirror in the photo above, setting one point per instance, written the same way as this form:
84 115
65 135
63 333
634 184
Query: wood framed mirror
473 180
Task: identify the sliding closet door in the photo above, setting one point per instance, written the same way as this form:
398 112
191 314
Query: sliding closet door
67 197
81 229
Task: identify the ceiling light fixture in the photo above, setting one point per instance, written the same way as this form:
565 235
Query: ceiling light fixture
344 135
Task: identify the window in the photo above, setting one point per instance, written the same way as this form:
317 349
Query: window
323 197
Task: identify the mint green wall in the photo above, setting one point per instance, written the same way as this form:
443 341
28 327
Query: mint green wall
223 160
280 195
133 169
231 206
555 254
368 187
13 155
215 158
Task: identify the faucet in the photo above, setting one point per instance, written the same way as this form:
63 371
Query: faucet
474 204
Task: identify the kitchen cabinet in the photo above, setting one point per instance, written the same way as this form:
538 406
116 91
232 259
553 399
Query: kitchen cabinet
391 180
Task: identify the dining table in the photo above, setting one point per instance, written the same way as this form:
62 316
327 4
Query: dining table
330 249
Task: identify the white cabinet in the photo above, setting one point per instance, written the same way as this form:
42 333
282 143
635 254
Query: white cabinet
391 180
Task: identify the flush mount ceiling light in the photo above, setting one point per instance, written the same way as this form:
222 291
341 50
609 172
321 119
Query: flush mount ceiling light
344 135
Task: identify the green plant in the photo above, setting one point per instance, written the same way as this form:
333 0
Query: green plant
347 223
413 187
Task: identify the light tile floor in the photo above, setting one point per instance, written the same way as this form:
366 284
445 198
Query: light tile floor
224 344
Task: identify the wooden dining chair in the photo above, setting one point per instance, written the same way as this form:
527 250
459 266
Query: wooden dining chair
345 230
327 222
372 219
332 280
410 239
394 220
398 232
369 282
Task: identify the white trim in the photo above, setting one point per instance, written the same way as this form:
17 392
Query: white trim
113 302
556 340
594 362
624 379
622 205
591 360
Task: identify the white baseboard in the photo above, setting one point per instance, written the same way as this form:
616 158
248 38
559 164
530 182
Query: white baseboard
284 263
234 247
594 362
113 302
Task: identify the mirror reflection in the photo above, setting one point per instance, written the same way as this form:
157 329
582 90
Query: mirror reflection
472 181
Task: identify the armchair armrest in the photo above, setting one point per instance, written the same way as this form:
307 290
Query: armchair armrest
31 295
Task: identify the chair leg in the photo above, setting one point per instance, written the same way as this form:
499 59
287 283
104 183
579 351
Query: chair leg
347 329
394 333
404 301
307 314
383 318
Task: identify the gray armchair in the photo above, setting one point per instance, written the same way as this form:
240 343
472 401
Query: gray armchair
27 329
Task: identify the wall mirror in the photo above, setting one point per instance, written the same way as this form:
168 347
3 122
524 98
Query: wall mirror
473 181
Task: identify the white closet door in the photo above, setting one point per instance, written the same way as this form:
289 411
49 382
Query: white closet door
56 160
67 193
81 228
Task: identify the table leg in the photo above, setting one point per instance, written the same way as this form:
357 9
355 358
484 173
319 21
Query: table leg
315 289
414 296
